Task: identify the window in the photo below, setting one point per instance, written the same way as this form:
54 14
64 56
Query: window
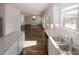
70 17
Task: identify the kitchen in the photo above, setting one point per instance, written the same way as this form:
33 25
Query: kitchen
58 20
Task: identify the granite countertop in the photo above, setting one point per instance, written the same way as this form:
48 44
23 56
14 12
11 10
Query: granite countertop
49 32
7 41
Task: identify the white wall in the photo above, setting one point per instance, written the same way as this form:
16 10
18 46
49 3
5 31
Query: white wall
22 20
28 20
56 13
11 18
53 12
47 13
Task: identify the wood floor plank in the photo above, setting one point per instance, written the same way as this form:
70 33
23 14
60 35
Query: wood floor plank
37 34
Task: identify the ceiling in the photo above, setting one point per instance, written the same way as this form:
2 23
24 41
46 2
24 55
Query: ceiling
65 5
31 8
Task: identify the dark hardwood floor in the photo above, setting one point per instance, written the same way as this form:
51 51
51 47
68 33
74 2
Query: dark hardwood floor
35 33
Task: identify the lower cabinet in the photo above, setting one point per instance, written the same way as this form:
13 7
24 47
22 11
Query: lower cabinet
17 47
51 49
21 43
13 50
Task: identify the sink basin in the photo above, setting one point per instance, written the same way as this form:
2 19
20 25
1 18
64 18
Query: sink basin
75 51
65 48
68 48
59 40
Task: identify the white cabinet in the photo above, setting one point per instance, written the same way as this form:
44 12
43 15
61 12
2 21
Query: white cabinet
17 47
13 50
51 49
21 43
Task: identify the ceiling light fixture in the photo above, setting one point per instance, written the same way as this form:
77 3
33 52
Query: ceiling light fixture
33 16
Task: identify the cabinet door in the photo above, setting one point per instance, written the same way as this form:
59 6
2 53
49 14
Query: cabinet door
13 50
21 43
51 49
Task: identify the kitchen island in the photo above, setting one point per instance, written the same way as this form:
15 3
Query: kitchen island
12 43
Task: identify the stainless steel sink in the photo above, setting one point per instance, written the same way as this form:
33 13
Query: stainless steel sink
68 48
59 40
75 51
65 48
